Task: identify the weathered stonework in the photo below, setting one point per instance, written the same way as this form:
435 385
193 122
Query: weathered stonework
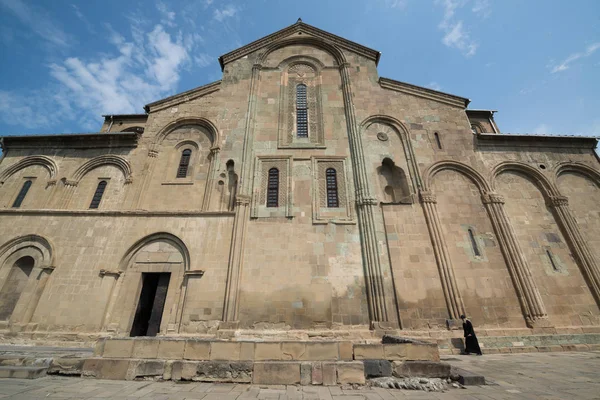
438 214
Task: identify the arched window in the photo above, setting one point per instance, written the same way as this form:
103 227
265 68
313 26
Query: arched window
22 194
332 189
273 188
474 243
98 194
476 129
551 258
437 140
184 163
301 111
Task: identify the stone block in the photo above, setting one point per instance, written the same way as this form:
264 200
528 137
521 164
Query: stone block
267 351
349 372
317 373
183 370
305 373
345 350
118 348
421 369
377 368
329 374
66 366
225 351
149 368
22 372
103 368
424 352
145 348
396 351
293 350
224 371
196 350
321 351
276 373
99 347
247 351
468 378
170 349
368 352
524 349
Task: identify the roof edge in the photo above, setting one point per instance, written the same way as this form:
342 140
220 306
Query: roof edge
532 139
183 97
262 42
420 91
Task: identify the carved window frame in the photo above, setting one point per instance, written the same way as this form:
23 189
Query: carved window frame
260 181
32 179
301 71
173 160
344 213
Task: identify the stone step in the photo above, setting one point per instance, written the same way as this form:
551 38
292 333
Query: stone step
22 371
468 378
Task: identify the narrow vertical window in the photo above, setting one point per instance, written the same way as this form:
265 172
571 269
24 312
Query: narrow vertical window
22 194
332 189
474 243
551 258
273 188
301 112
184 163
98 194
437 140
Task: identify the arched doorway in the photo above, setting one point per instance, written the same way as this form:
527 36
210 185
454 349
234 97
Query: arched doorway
14 285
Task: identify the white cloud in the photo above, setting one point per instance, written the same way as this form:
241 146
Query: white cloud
565 64
454 33
482 8
83 19
434 86
541 129
225 12
396 3
38 21
203 60
168 16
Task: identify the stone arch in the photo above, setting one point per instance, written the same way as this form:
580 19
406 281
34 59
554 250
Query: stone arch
128 281
108 159
40 251
44 161
302 59
331 49
404 135
201 121
543 183
395 183
589 172
464 169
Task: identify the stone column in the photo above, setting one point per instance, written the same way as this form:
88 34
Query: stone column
210 179
453 299
183 294
42 279
527 291
236 252
234 269
112 298
577 243
70 187
379 291
138 198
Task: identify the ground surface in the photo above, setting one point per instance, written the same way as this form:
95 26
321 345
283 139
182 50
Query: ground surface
514 376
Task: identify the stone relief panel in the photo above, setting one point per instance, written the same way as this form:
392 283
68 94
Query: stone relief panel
283 164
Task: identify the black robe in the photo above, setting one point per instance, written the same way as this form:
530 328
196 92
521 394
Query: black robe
471 343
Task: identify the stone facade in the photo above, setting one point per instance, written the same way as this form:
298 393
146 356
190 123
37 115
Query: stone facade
432 213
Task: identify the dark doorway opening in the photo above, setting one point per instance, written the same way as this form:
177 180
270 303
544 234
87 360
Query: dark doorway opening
151 304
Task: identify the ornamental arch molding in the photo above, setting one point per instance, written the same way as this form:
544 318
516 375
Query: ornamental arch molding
331 49
478 179
156 237
24 302
547 188
582 169
215 138
44 161
117 161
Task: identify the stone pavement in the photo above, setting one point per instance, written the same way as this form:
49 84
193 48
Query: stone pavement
511 376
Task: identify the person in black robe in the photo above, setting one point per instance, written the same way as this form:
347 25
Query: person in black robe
471 343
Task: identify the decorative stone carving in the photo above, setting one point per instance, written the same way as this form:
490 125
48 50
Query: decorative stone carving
383 136
428 197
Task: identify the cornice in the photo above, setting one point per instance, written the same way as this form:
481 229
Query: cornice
429 94
303 28
183 97
511 140
71 141
117 213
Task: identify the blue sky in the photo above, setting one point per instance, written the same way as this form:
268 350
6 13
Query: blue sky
67 62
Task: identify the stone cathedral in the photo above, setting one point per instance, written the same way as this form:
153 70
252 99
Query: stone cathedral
301 195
